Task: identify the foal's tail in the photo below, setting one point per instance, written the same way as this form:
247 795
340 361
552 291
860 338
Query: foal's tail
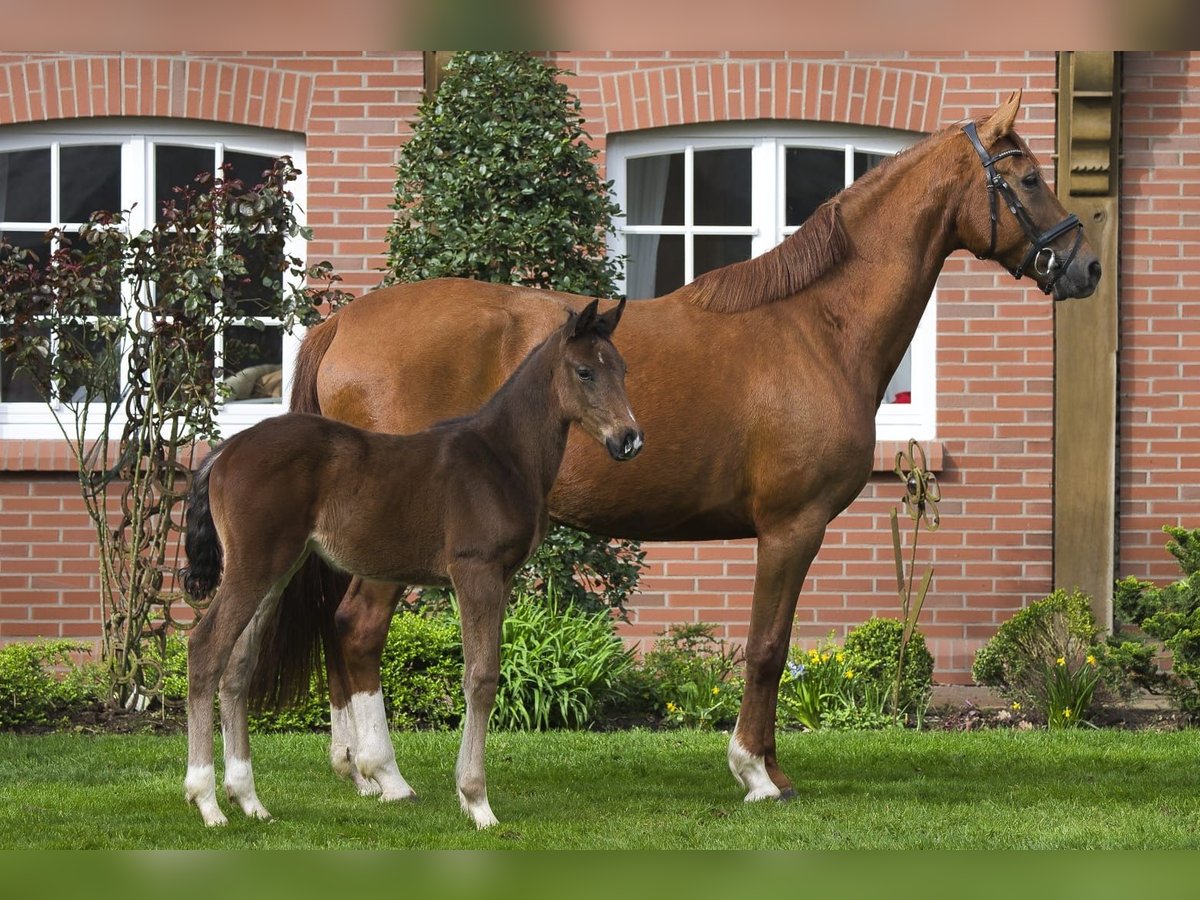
303 624
203 546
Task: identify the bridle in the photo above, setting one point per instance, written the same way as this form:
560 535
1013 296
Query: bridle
1041 255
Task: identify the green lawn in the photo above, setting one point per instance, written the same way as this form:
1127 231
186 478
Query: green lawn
992 789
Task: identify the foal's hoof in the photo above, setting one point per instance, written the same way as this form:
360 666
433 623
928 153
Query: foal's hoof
401 797
787 794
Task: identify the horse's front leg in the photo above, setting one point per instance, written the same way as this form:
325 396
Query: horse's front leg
482 593
361 748
783 561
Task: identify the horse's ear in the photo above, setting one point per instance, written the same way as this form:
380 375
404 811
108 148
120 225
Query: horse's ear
606 324
1000 122
586 320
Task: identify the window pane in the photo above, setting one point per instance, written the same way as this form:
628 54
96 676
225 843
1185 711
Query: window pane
176 167
254 363
25 186
90 180
864 162
654 266
721 195
30 240
655 190
899 389
16 385
248 167
257 291
813 176
715 250
88 358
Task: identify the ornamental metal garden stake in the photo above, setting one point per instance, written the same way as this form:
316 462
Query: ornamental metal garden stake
921 496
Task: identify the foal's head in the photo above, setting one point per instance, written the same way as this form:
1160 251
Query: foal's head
590 380
1013 217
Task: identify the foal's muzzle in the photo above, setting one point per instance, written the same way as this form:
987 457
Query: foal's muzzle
626 445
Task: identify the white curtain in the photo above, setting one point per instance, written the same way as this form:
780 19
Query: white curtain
644 206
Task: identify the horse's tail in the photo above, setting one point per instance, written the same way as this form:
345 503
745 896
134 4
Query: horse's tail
303 623
308 360
202 574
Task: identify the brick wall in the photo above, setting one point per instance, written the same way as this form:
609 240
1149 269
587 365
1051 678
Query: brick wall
995 336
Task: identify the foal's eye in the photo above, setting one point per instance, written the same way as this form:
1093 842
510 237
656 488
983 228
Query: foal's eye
1030 180
584 373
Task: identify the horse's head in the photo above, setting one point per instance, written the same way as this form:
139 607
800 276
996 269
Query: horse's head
591 381
1036 236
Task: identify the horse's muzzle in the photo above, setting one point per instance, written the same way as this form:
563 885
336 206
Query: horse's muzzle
1079 281
625 446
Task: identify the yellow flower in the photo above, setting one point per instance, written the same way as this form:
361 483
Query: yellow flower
716 691
1062 660
1067 713
1091 659
849 673
1016 705
814 655
825 658
841 657
671 707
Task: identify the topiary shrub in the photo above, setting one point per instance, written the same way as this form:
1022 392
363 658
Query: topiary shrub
499 183
873 653
31 692
1171 615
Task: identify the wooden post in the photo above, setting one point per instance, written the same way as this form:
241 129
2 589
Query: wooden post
435 63
1087 178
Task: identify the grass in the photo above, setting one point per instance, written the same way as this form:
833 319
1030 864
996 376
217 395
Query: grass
638 789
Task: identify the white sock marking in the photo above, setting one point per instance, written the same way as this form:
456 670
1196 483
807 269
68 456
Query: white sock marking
750 770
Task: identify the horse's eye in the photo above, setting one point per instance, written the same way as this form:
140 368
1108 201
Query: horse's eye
584 373
1030 180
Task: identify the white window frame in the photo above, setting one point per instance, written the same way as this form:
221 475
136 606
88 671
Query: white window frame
768 143
137 138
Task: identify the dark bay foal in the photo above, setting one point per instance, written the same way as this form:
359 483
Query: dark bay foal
461 504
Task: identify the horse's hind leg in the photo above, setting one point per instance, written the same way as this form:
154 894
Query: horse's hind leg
361 746
482 593
235 732
209 648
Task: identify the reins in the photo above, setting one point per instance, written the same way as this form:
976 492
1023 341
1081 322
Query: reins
1040 255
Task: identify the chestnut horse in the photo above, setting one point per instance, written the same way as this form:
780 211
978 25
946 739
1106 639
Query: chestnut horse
463 503
757 383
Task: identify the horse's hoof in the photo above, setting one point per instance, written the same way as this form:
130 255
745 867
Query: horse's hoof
787 794
410 797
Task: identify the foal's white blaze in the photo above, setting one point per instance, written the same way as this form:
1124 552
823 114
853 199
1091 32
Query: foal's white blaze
239 787
750 770
375 756
200 787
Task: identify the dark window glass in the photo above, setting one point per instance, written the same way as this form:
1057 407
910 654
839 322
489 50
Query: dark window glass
16 385
654 266
90 180
711 251
84 341
25 186
864 162
655 195
177 167
813 176
248 168
258 289
30 240
721 195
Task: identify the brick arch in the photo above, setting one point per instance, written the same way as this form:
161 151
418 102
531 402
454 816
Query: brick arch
732 90
64 88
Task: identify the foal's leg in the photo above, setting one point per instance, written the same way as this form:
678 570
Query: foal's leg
482 594
235 732
783 561
362 745
209 648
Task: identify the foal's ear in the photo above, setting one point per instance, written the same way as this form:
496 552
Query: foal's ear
1000 122
606 324
585 321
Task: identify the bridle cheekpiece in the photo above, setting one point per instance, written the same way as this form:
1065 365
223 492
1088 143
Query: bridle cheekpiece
1041 255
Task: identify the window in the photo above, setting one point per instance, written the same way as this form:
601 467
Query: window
696 199
58 177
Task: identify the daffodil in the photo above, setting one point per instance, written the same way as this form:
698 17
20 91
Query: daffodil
825 658
1067 713
1091 659
849 673
1062 660
1016 706
841 657
671 707
716 691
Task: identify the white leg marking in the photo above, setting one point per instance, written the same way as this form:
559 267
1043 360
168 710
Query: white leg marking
239 787
341 750
200 787
751 772
469 774
376 757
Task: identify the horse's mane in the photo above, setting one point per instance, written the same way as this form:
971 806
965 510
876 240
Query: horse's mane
818 246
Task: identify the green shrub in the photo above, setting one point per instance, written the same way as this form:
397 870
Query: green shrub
1169 614
31 693
1048 657
499 183
557 665
693 677
422 670
873 652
